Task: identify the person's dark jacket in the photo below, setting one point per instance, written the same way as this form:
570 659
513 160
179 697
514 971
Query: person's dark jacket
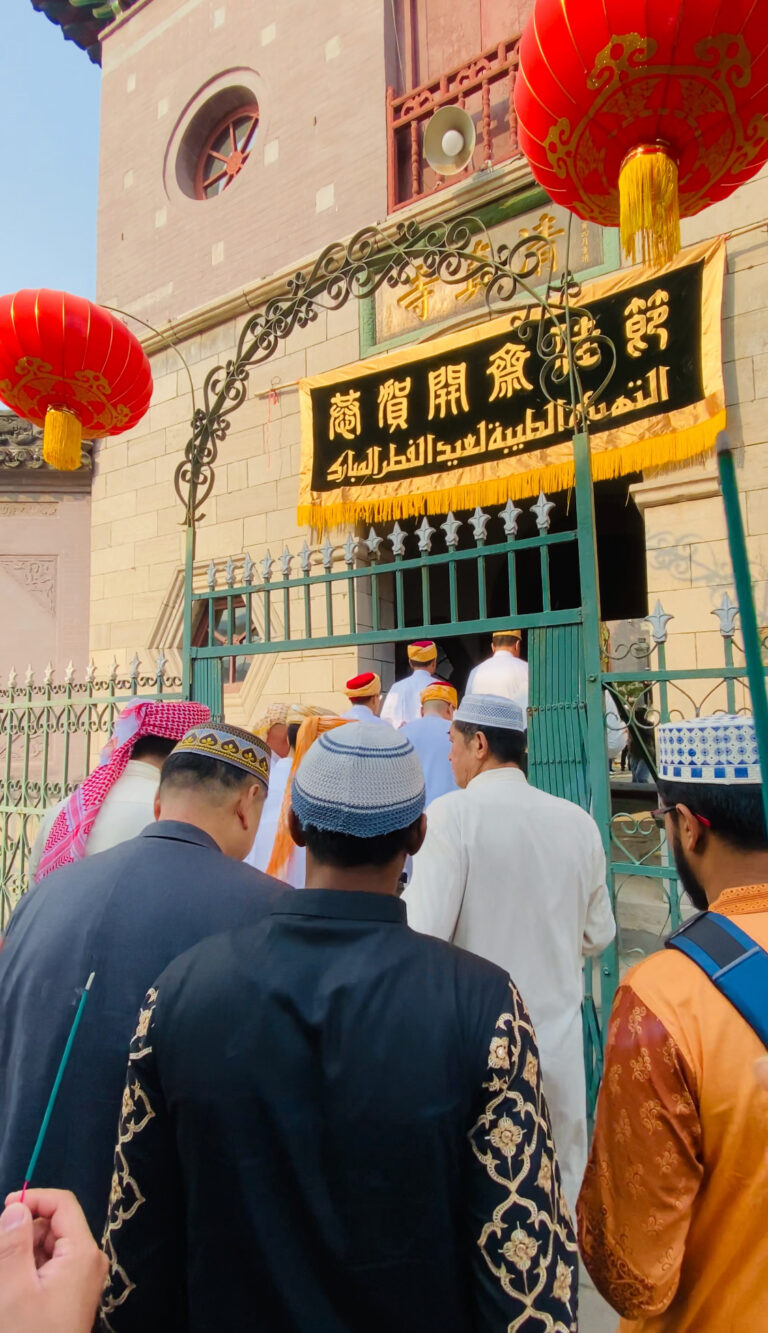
123 914
333 1124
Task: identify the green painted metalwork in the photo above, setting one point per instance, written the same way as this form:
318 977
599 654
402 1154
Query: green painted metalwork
51 735
557 723
208 685
332 599
743 580
639 857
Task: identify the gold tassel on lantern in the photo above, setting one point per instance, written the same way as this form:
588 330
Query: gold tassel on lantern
649 205
62 439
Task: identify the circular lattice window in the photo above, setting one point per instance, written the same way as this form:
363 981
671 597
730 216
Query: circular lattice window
217 142
226 151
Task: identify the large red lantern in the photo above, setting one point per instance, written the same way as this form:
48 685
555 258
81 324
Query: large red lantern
71 367
637 112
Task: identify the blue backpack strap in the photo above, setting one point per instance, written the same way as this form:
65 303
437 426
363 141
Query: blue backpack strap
732 960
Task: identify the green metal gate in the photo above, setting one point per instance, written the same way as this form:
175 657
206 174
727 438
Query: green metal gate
557 723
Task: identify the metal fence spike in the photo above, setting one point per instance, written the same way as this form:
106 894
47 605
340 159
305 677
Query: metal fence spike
266 567
48 677
305 556
69 674
397 537
135 665
451 529
373 542
161 663
248 570
29 676
510 516
90 672
326 551
478 523
230 572
350 546
285 563
212 576
542 510
425 533
726 613
12 677
113 671
658 621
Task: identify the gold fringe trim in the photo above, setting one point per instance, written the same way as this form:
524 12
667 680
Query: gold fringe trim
651 454
62 439
649 207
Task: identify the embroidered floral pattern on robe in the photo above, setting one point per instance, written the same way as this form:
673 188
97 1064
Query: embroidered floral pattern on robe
647 1118
527 1243
125 1197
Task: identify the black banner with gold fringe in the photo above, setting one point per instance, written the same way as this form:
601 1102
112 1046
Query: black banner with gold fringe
464 420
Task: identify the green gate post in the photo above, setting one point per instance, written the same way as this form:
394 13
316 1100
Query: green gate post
743 580
598 764
186 650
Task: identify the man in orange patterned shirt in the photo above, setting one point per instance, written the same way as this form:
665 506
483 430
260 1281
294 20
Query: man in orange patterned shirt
672 1213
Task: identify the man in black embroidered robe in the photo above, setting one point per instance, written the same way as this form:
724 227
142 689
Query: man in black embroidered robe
333 1124
123 914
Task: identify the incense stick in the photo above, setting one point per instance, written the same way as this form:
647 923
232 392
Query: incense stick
55 1088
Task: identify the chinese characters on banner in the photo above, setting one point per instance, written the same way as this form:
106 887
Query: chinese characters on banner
465 420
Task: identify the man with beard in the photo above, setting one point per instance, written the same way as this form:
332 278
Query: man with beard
673 1206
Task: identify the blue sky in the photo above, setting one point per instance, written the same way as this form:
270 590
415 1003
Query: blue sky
49 136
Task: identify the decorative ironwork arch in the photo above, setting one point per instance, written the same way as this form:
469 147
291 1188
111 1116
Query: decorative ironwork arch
373 259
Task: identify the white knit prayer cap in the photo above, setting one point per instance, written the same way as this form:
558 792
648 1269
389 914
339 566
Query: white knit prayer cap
490 710
362 779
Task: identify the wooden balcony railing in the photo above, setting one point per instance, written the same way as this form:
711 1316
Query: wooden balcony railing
485 87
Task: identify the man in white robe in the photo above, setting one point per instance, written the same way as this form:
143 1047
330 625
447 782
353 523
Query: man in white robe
403 702
364 694
504 672
518 877
430 736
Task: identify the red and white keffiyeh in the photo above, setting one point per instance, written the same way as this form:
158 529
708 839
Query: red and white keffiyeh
69 834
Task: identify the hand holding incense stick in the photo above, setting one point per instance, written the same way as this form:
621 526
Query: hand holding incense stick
55 1088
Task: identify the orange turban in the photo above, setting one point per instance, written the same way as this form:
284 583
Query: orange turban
423 650
440 689
365 686
307 734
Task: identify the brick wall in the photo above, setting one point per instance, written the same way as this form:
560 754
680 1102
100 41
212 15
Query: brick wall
689 565
318 165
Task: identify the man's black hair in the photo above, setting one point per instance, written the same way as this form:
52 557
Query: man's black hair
734 810
505 638
346 852
153 747
506 746
293 731
186 770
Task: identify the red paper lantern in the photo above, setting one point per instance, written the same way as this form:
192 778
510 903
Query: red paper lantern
637 112
71 367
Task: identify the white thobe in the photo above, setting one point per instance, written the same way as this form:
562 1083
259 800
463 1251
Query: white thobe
431 739
403 702
126 810
259 855
361 713
503 674
518 876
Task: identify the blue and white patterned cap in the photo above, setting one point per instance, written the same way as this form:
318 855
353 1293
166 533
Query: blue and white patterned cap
362 779
490 710
722 748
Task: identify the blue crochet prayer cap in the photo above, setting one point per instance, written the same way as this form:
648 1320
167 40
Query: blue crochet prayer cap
361 779
722 748
490 710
